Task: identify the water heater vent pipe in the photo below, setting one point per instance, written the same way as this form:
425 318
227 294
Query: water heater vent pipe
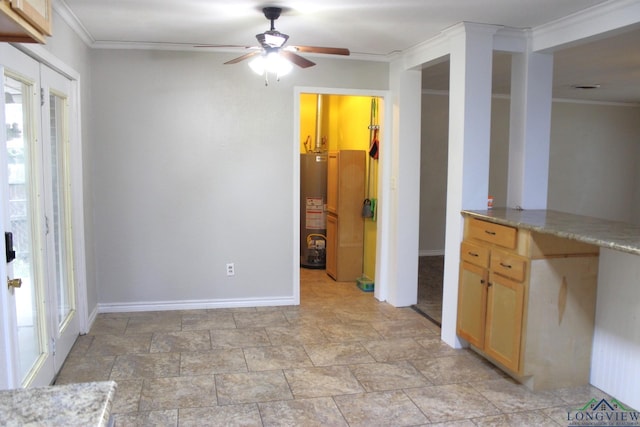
318 147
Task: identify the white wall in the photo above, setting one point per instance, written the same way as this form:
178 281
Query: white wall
433 173
616 340
595 160
635 217
499 164
433 170
192 170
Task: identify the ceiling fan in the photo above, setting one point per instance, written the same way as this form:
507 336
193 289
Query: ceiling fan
273 41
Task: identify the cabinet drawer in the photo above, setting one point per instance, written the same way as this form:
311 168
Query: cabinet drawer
501 235
508 264
474 254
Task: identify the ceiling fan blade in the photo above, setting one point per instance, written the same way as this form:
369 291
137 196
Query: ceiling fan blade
243 57
297 59
319 49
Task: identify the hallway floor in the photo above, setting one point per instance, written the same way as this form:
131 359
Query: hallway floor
430 276
340 358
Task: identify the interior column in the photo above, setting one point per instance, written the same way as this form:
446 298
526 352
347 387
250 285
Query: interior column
402 195
471 57
530 128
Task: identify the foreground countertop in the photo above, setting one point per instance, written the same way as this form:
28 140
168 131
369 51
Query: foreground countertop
615 235
85 404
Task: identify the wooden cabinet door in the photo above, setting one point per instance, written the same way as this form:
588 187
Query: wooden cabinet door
505 300
36 12
472 302
25 21
332 182
331 263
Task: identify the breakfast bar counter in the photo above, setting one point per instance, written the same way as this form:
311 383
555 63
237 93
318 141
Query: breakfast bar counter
577 282
614 235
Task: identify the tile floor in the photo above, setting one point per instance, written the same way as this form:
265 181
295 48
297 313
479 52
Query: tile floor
430 276
339 359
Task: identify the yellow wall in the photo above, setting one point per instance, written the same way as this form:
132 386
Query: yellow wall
345 126
307 119
353 122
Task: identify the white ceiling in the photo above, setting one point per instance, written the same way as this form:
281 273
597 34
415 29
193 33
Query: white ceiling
613 63
371 29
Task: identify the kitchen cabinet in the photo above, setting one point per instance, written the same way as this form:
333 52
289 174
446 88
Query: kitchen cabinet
25 21
505 299
345 225
472 303
526 302
491 293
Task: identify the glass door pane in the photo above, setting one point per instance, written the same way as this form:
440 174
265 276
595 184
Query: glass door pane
56 143
63 271
22 205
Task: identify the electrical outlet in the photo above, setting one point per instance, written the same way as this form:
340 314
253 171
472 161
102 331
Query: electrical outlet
231 269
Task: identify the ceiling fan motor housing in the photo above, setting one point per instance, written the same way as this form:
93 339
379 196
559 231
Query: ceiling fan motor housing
272 13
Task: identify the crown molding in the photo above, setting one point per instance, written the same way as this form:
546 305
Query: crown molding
434 92
67 15
614 16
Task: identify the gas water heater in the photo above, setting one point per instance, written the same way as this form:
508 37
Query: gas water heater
313 198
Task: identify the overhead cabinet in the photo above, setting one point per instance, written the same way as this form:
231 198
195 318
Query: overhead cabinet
526 301
25 21
345 226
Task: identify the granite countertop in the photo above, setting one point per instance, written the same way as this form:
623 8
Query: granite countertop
85 404
615 235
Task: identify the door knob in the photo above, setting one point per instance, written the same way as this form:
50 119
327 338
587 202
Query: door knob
14 283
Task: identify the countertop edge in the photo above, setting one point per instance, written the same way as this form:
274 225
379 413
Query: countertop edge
111 395
75 404
613 235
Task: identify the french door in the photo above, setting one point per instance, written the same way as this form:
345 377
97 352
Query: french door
39 301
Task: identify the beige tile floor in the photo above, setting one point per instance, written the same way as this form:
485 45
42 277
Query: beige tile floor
430 272
340 358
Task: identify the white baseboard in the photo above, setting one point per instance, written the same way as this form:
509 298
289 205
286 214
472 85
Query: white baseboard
90 320
436 252
193 304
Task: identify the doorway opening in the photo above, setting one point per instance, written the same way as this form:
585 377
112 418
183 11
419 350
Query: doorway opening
434 171
433 201
339 135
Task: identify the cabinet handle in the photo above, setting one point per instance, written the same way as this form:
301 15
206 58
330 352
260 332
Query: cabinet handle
492 233
489 284
473 254
482 281
504 265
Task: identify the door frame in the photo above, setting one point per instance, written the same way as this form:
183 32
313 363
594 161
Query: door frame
383 227
40 54
7 353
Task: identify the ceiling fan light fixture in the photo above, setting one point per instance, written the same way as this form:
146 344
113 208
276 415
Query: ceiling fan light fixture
272 63
272 38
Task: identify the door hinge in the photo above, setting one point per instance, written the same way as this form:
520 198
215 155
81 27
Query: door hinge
46 225
53 346
41 97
